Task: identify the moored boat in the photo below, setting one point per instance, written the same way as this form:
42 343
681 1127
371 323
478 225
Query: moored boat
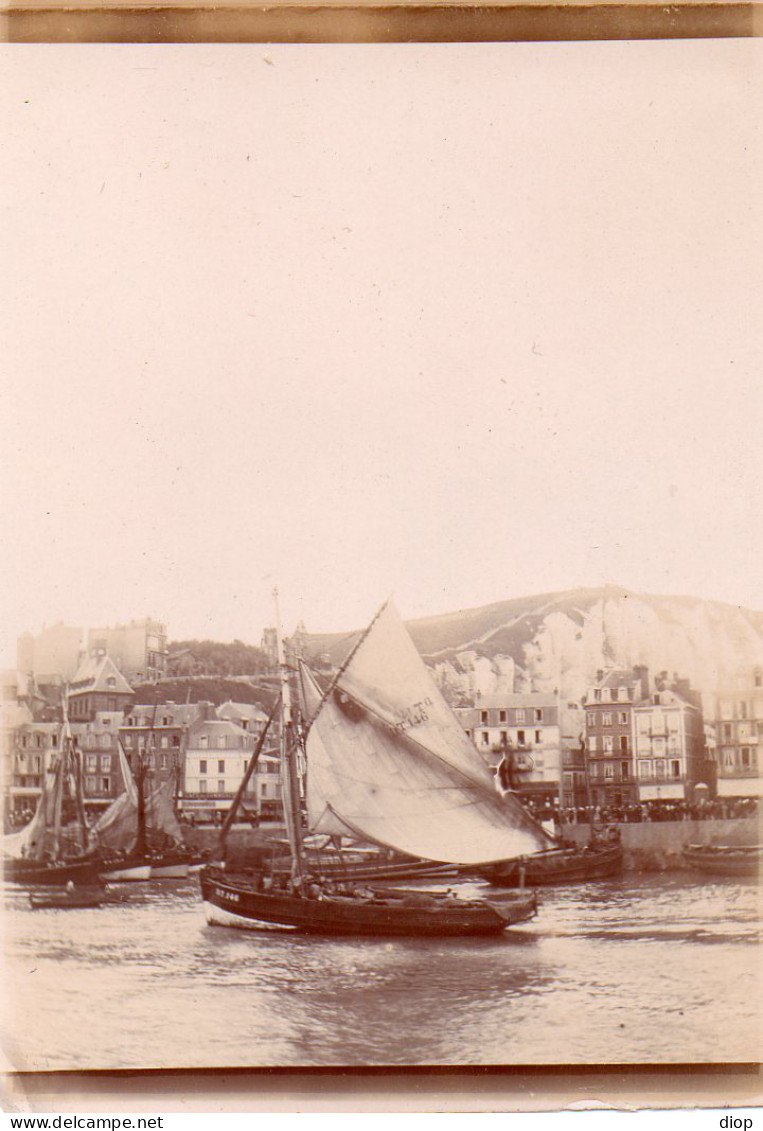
35 873
558 866
64 900
724 860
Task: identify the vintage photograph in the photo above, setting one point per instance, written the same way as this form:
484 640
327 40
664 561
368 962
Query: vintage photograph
382 626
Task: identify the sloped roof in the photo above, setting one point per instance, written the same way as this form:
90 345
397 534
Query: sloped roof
94 674
231 710
529 700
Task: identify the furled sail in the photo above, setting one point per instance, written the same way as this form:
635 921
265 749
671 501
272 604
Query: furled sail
117 827
388 762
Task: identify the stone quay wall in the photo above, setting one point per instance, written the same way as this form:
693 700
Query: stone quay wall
657 846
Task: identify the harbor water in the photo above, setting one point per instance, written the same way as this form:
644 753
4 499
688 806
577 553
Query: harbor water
651 969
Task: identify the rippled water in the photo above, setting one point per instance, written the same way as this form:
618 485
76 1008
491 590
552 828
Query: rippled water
642 971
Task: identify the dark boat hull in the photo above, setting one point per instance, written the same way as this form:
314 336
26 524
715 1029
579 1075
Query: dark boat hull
64 900
232 901
564 866
32 873
724 861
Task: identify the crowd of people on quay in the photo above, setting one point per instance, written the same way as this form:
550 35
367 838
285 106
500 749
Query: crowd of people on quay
719 810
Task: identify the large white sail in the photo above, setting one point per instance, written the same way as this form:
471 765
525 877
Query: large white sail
388 762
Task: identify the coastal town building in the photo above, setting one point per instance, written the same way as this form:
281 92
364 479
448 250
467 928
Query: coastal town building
738 727
97 686
519 736
217 754
610 734
669 744
52 655
138 649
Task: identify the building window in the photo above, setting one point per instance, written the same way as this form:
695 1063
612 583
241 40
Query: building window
164 761
675 769
221 767
90 784
105 785
222 742
483 718
660 769
622 718
204 741
606 719
221 786
520 716
624 771
521 737
176 740
745 760
597 694
539 714
54 740
485 738
105 763
609 770
591 720
202 786
264 789
165 742
203 766
623 744
504 737
615 694
607 743
742 710
105 740
537 738
644 769
128 741
165 720
501 716
91 763
727 732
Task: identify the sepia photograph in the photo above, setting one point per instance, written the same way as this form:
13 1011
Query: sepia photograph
382 621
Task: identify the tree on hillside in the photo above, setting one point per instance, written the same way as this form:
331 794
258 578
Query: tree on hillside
216 659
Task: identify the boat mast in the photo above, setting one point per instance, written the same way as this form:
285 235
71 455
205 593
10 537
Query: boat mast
289 770
144 754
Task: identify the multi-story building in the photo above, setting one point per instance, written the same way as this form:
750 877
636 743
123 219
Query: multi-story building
669 744
97 741
53 655
98 687
519 736
217 755
248 716
610 734
31 746
157 735
139 649
739 736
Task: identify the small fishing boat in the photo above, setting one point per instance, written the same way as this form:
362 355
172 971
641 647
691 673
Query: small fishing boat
558 866
379 757
35 873
239 901
64 900
138 837
723 859
52 849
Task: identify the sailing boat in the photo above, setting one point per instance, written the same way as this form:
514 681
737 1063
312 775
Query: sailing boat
52 848
388 763
139 832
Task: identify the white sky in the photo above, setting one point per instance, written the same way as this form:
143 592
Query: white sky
459 322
